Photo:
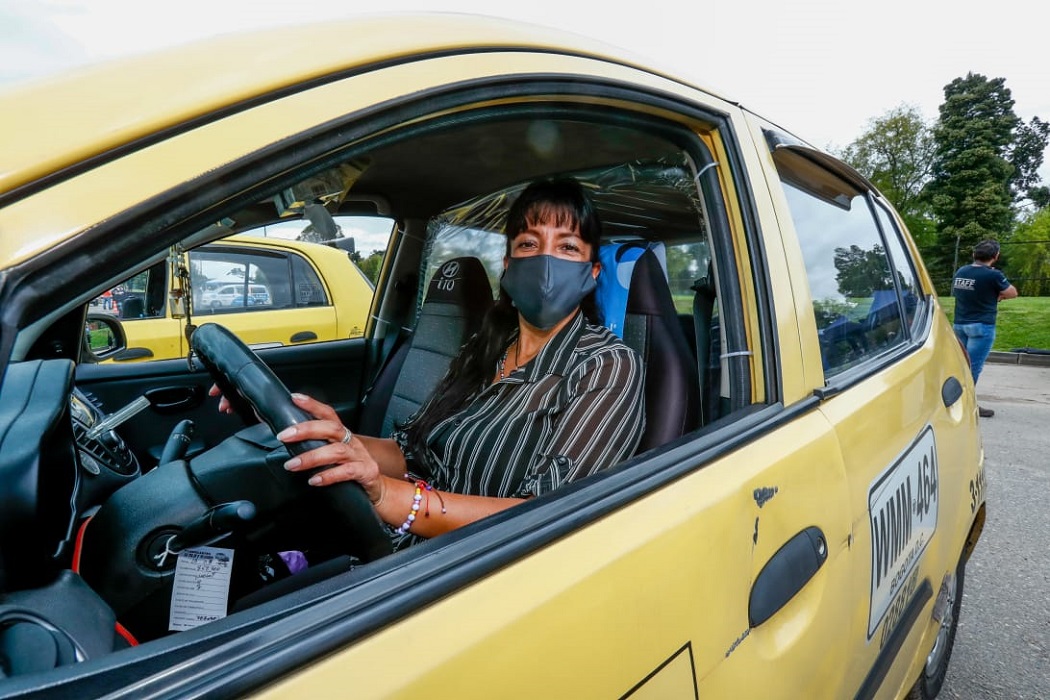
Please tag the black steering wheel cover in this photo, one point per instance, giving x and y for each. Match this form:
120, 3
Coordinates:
252, 388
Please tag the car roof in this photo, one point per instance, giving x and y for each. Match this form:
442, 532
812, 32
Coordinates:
112, 106
308, 247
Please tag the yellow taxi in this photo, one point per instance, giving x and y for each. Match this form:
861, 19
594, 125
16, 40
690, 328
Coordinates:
268, 291
795, 524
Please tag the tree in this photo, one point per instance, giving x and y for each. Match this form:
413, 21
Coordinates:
860, 272
372, 265
1040, 197
312, 234
1028, 256
1026, 154
682, 263
985, 162
896, 154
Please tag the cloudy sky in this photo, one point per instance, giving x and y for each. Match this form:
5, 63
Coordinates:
820, 68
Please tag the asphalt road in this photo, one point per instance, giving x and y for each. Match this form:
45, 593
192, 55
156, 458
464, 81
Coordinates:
1002, 650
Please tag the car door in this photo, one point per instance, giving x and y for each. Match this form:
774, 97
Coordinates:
652, 599
308, 302
893, 390
719, 566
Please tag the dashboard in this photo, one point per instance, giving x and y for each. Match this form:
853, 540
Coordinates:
56, 465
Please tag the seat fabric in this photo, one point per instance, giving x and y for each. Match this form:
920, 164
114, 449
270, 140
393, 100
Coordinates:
457, 300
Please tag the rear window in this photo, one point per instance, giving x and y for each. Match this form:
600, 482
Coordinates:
863, 285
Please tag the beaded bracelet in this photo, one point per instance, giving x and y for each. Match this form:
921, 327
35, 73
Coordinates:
417, 499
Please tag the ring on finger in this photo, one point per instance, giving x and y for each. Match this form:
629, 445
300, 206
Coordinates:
346, 435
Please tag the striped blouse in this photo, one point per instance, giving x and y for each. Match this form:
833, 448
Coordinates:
575, 409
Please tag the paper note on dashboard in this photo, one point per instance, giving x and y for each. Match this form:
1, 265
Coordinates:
201, 587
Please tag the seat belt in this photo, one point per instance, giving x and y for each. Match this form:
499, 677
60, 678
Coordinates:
703, 303
391, 339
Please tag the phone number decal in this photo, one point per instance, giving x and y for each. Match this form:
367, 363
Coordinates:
902, 510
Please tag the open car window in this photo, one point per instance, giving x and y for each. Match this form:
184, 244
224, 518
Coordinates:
323, 284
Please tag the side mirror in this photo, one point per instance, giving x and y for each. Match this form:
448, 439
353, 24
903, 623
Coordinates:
103, 335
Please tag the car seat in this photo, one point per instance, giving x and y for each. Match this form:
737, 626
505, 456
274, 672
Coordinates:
133, 307
457, 300
652, 328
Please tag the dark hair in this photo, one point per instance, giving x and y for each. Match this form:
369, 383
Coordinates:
560, 202
986, 250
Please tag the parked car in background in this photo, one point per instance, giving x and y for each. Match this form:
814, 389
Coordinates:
796, 523
318, 294
218, 294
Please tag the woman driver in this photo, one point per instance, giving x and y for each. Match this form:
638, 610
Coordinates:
539, 397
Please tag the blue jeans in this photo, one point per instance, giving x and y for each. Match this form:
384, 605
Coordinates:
977, 338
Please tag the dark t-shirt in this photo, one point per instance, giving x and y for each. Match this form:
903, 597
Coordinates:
976, 290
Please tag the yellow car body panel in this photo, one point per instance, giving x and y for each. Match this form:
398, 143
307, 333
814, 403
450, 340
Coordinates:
656, 598
901, 397
140, 104
90, 197
606, 625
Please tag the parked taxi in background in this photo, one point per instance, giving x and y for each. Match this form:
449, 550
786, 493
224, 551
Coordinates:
269, 291
796, 523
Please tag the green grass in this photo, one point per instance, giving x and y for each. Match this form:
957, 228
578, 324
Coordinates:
1023, 322
683, 302
99, 338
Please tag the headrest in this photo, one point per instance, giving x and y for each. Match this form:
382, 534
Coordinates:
132, 308
462, 282
650, 294
614, 283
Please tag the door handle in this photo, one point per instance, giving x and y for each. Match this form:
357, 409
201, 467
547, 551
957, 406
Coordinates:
175, 399
303, 336
951, 391
132, 354
786, 573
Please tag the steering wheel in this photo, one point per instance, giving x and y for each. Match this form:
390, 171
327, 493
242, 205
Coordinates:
253, 389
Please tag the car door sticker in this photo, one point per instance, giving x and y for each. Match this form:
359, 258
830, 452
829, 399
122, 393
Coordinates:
765, 494
902, 510
673, 678
977, 489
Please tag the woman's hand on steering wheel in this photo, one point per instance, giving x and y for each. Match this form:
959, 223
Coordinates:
248, 387
224, 403
225, 406
343, 457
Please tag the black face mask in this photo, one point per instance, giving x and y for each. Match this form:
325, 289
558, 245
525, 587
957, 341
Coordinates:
545, 289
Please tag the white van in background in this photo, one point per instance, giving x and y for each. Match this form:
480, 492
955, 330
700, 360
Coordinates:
233, 295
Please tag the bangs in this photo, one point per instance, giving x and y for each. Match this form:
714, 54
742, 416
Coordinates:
552, 214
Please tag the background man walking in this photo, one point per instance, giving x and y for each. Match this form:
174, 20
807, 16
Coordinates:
978, 289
